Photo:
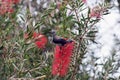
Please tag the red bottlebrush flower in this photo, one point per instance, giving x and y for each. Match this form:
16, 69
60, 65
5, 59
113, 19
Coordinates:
11, 10
62, 59
35, 34
96, 12
40, 40
6, 6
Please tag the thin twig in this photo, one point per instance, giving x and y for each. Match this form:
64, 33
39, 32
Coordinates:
77, 52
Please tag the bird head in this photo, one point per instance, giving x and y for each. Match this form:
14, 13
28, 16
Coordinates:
53, 32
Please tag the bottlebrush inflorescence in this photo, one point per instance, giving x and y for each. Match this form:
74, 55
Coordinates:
61, 60
6, 6
40, 40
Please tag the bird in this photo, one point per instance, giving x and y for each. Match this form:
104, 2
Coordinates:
59, 40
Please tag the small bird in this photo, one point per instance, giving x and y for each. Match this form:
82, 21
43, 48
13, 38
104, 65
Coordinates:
59, 40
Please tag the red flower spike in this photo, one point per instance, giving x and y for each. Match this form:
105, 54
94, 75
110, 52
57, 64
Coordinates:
35, 34
11, 10
61, 60
6, 6
40, 40
96, 12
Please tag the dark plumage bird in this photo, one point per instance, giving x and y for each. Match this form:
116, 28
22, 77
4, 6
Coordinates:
60, 41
